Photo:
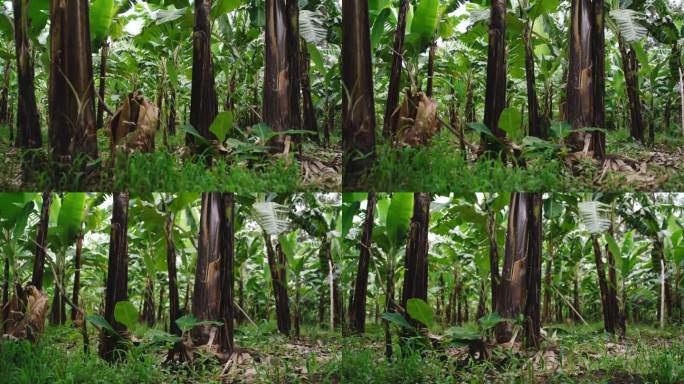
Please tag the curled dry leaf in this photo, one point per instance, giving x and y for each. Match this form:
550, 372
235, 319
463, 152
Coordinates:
416, 121
27, 314
134, 124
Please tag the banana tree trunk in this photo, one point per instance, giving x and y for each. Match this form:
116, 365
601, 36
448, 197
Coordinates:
77, 274
630, 68
395, 72
308, 107
174, 302
660, 267
495, 96
357, 317
103, 74
41, 242
28, 119
277, 88
493, 257
293, 62
203, 101
117, 276
576, 314
171, 122
358, 104
586, 76
513, 288
534, 262
619, 319
276, 264
213, 291
416, 260
608, 298
5, 295
71, 91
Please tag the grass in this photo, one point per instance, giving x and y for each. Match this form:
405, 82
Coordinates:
442, 168
572, 354
170, 169
569, 354
58, 357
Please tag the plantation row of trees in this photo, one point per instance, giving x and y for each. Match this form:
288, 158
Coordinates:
512, 262
142, 46
191, 265
543, 69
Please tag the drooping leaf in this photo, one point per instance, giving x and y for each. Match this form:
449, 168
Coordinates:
101, 14
125, 313
420, 311
100, 322
397, 319
222, 124
399, 218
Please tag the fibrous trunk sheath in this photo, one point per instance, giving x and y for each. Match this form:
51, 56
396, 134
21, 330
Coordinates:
495, 96
277, 91
358, 312
28, 120
213, 284
277, 267
71, 92
41, 241
203, 101
586, 83
358, 109
416, 261
395, 72
117, 275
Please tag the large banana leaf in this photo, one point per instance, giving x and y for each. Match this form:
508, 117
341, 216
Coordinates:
399, 218
101, 14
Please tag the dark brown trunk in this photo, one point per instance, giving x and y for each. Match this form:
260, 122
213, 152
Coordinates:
103, 73
117, 276
358, 109
618, 318
534, 122
608, 303
171, 122
41, 242
277, 266
514, 276
534, 257
203, 101
389, 307
58, 306
77, 274
174, 302
395, 73
71, 92
307, 102
213, 290
495, 97
293, 64
469, 108
416, 260
482, 301
277, 88
160, 307
227, 246
160, 103
586, 83
28, 120
630, 68
493, 257
357, 317
431, 68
